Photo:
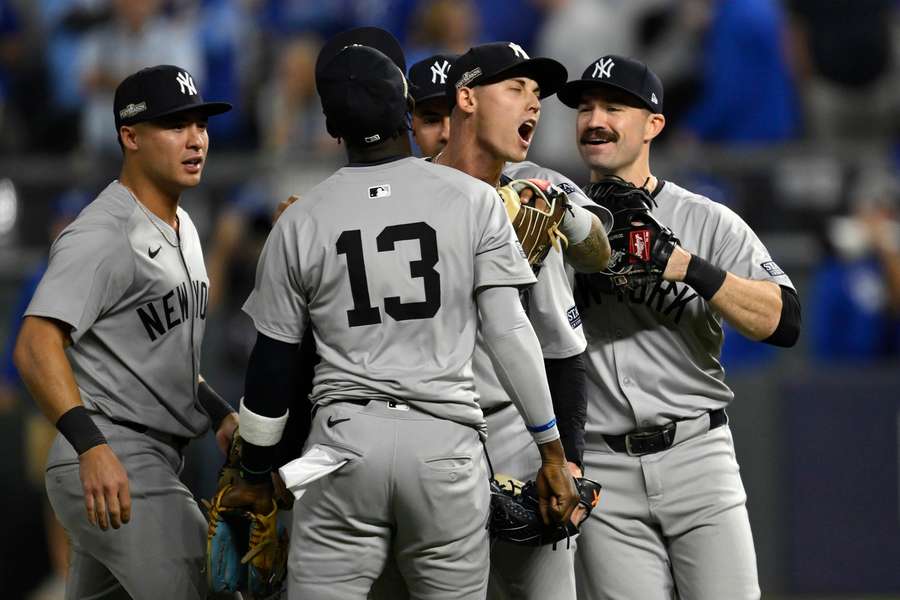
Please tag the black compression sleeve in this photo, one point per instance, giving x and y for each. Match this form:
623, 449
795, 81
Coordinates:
788, 330
566, 378
269, 387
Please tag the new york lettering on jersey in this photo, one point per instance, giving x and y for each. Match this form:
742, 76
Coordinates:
179, 304
135, 290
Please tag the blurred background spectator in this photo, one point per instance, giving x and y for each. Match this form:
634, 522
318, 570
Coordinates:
139, 33
747, 93
36, 437
854, 301
289, 113
844, 53
442, 26
785, 110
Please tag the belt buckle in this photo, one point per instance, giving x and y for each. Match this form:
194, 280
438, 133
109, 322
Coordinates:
393, 404
648, 442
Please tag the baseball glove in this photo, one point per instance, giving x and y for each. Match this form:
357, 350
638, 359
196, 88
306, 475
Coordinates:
641, 246
536, 222
516, 517
245, 551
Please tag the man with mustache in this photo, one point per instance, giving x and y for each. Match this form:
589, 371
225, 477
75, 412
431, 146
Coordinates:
674, 518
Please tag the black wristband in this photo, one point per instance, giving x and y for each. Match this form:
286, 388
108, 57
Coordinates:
214, 404
79, 428
256, 462
705, 277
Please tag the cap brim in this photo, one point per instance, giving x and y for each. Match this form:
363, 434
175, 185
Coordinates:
373, 37
431, 96
570, 94
549, 74
207, 108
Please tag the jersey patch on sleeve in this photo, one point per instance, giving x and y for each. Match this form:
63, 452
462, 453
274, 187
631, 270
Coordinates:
771, 268
574, 317
380, 191
566, 187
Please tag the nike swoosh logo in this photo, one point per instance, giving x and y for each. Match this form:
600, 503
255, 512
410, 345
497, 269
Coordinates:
332, 421
153, 253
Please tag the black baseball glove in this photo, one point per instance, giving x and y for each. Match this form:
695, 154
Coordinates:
641, 245
516, 516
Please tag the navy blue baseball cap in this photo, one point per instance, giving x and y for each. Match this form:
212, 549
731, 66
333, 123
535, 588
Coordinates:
428, 77
618, 72
157, 92
373, 37
364, 95
361, 83
489, 63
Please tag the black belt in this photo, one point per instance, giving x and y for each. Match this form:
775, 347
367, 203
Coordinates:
176, 441
648, 441
492, 410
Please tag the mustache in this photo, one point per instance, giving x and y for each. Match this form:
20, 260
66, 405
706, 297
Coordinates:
598, 134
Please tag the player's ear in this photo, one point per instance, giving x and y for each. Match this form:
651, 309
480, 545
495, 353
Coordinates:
128, 137
654, 124
466, 100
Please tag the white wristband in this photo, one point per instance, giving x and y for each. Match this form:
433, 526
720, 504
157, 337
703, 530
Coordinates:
260, 430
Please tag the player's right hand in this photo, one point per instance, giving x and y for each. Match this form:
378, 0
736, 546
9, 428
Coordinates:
556, 491
256, 497
107, 498
282, 206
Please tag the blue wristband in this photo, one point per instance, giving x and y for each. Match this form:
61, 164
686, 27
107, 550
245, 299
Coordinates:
539, 428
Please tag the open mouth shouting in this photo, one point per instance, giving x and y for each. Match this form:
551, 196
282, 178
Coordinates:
526, 131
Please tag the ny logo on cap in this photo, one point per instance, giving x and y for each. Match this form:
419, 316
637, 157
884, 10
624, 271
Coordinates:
186, 84
440, 70
518, 51
603, 68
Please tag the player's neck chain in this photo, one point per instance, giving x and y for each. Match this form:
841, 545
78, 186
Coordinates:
150, 216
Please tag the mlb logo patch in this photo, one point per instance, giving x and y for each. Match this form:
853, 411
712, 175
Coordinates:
574, 317
771, 268
380, 191
639, 245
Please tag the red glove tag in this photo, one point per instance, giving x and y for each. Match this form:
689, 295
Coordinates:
639, 245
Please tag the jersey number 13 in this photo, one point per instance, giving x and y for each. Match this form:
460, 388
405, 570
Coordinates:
363, 313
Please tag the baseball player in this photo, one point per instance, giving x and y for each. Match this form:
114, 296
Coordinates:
431, 114
674, 520
110, 351
493, 118
390, 261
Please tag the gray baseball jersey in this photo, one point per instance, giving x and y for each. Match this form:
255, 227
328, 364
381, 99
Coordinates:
542, 572
654, 355
549, 304
393, 243
134, 292
673, 522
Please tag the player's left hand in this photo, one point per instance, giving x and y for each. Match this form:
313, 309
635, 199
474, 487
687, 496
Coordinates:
226, 431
